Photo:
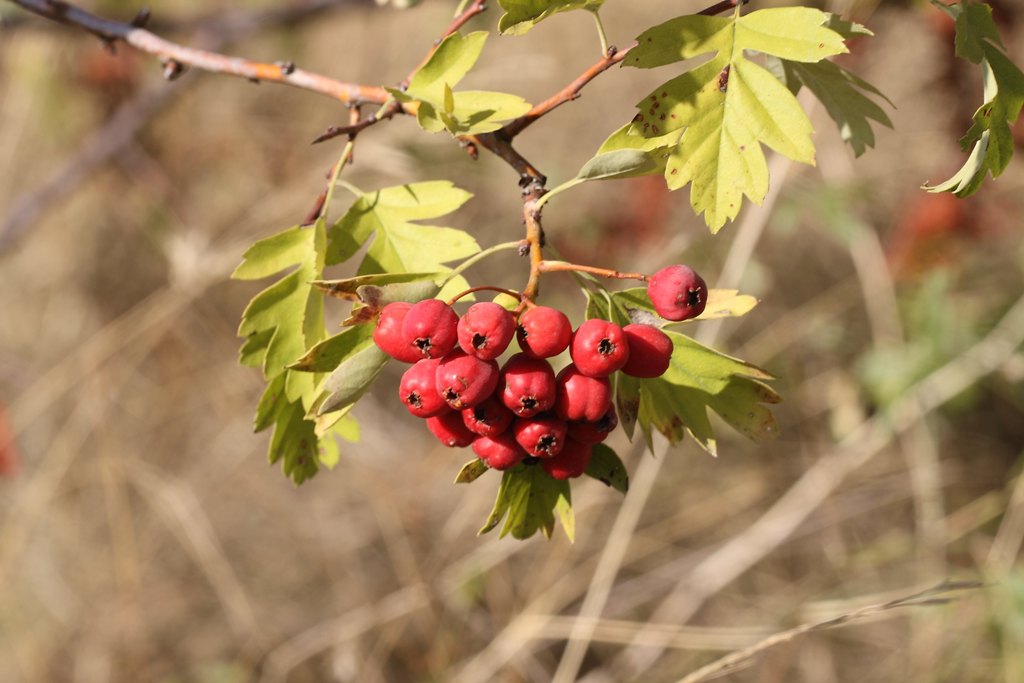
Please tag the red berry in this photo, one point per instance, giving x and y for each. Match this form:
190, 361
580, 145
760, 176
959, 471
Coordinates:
430, 327
486, 330
450, 431
594, 432
542, 437
581, 398
677, 293
418, 389
543, 332
599, 348
527, 385
489, 418
650, 351
499, 452
464, 381
571, 462
387, 335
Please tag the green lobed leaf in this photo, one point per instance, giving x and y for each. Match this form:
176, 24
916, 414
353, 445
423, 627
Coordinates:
287, 317
294, 444
527, 500
522, 15
471, 471
842, 93
274, 254
349, 288
449, 64
622, 163
441, 107
606, 466
729, 106
989, 137
698, 378
329, 353
633, 305
352, 378
399, 245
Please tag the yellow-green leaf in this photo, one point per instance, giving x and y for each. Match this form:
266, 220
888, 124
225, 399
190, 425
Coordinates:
522, 15
729, 106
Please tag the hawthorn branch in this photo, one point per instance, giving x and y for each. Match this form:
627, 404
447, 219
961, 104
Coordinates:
112, 32
567, 94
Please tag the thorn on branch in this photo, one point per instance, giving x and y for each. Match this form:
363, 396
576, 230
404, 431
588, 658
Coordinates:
173, 69
141, 18
471, 149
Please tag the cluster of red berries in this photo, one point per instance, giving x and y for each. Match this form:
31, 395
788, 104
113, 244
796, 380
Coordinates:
522, 409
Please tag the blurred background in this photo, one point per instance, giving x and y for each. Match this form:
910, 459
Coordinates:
143, 537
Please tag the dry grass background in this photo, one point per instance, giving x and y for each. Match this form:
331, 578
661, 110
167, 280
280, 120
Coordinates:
146, 539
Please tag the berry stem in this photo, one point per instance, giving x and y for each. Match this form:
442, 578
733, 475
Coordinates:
565, 266
486, 288
535, 238
601, 33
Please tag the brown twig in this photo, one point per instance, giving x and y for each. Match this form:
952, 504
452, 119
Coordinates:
567, 94
720, 7
110, 32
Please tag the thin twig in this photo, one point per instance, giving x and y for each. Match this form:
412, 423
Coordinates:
111, 32
567, 94
937, 595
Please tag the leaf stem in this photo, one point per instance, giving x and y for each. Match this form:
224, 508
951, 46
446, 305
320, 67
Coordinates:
600, 32
476, 258
343, 160
565, 266
567, 185
350, 187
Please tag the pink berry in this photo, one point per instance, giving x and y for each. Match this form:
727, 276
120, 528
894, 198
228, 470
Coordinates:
581, 398
430, 327
650, 351
677, 293
543, 332
449, 430
527, 385
489, 418
464, 381
594, 432
387, 335
571, 462
542, 437
418, 389
599, 348
486, 330
499, 452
